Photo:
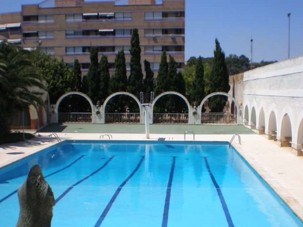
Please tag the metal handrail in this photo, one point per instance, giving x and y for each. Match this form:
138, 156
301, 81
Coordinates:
109, 136
189, 132
233, 137
56, 136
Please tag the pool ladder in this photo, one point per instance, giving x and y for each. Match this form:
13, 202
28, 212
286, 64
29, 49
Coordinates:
56, 136
109, 136
189, 132
233, 137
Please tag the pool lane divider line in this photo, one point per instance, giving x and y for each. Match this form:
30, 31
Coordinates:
57, 171
168, 193
83, 179
117, 192
219, 192
69, 165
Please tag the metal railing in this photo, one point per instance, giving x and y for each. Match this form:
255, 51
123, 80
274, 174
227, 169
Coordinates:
103, 136
170, 117
233, 137
122, 117
218, 118
55, 136
189, 132
75, 117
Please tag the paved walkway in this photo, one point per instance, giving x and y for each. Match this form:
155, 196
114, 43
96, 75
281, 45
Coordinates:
278, 166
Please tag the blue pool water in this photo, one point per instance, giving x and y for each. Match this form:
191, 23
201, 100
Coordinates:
115, 183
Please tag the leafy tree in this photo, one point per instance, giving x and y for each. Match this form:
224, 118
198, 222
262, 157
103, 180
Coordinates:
118, 82
188, 75
162, 80
20, 84
58, 76
237, 64
93, 76
219, 79
191, 61
104, 78
77, 74
135, 80
197, 92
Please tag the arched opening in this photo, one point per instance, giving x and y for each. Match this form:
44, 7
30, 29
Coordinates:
74, 107
246, 115
172, 107
227, 116
286, 134
21, 119
272, 126
261, 122
300, 137
253, 119
122, 107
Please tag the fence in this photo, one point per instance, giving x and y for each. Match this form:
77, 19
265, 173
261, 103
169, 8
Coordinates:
218, 118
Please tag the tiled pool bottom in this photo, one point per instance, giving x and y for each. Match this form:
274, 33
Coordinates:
151, 184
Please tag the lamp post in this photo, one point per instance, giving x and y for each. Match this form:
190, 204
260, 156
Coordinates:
288, 15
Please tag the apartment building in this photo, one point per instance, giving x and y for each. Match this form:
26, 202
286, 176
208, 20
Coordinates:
68, 29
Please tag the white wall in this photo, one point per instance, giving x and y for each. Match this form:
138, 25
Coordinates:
276, 88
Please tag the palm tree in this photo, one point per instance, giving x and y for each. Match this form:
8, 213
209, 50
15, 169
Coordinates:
20, 84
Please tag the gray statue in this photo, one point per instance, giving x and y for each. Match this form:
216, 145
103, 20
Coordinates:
36, 200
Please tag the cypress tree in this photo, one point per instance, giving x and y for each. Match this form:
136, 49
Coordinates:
104, 78
135, 80
118, 82
219, 80
198, 93
93, 76
172, 74
162, 80
149, 79
77, 73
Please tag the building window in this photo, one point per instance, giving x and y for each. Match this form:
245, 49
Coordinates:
153, 16
31, 34
173, 14
90, 16
107, 32
73, 50
71, 33
106, 16
152, 32
123, 16
106, 49
46, 35
46, 19
124, 48
153, 49
73, 17
30, 18
173, 31
123, 32
155, 66
48, 50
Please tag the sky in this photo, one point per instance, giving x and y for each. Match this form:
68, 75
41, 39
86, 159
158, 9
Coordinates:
258, 29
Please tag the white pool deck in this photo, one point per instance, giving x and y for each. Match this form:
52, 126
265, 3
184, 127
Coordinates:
277, 165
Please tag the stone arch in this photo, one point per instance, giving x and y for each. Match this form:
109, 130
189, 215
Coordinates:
253, 118
261, 123
286, 133
246, 115
170, 93
223, 94
72, 93
300, 136
272, 125
121, 93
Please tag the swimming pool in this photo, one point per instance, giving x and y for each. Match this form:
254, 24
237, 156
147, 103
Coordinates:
118, 183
